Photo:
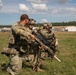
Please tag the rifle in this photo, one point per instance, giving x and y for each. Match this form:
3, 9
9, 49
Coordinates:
42, 38
46, 47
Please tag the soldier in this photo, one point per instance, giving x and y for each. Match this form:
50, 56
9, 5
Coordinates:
49, 36
35, 47
18, 43
52, 38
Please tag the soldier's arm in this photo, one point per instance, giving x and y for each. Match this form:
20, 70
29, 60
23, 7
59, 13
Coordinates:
22, 31
56, 39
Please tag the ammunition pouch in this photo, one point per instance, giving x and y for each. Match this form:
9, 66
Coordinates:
11, 39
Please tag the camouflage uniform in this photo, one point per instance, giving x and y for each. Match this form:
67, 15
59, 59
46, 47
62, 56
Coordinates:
35, 47
18, 43
49, 35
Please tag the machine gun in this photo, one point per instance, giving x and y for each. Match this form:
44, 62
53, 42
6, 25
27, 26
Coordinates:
47, 48
43, 39
40, 38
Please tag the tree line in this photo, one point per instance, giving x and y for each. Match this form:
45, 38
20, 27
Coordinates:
70, 23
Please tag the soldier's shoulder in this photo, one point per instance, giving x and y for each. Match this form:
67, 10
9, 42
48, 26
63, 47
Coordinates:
29, 30
14, 25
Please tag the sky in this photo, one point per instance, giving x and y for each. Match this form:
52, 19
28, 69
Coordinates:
40, 10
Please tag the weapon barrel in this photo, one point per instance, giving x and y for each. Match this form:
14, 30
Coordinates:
47, 48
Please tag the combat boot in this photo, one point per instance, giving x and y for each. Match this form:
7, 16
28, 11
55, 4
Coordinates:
2, 67
39, 70
10, 71
36, 68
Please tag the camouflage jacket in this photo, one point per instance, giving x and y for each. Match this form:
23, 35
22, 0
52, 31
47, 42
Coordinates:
50, 36
19, 30
19, 37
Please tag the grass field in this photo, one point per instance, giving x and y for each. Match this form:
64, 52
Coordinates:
67, 55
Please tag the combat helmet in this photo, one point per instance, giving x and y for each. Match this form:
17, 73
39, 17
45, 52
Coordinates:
49, 25
32, 21
45, 24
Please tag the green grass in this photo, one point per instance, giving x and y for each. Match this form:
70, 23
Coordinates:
67, 55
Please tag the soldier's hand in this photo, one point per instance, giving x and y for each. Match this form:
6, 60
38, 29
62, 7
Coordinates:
41, 47
32, 36
56, 43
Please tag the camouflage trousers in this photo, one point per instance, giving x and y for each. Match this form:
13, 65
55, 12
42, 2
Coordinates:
16, 60
15, 65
